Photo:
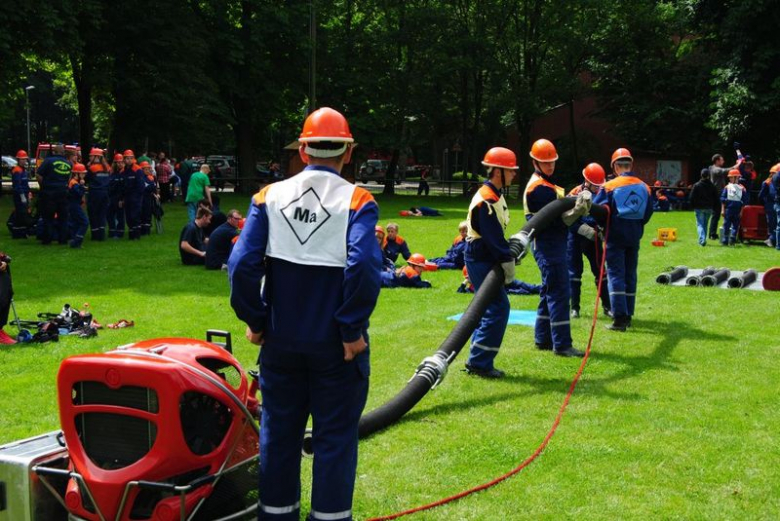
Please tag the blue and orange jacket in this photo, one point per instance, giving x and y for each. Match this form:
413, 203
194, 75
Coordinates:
732, 200
150, 184
134, 178
76, 192
116, 185
550, 243
98, 178
628, 199
405, 277
306, 308
492, 246
55, 174
776, 186
392, 249
20, 181
767, 194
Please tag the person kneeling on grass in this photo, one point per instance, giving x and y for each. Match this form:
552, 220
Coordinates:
387, 264
192, 243
516, 287
395, 245
407, 277
453, 259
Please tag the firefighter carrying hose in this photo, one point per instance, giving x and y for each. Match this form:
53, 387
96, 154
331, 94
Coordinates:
553, 327
487, 219
312, 237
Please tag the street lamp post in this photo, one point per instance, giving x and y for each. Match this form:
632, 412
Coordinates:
27, 90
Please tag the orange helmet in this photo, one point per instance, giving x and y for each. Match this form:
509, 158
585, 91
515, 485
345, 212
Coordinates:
416, 259
379, 229
594, 174
500, 157
79, 168
118, 157
326, 124
544, 151
145, 164
129, 153
96, 152
21, 155
734, 173
620, 153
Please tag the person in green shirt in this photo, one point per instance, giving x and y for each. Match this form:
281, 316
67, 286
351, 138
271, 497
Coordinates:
198, 189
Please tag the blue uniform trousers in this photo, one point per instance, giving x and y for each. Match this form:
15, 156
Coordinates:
133, 217
777, 231
552, 316
146, 214
771, 222
577, 247
487, 338
116, 218
21, 219
77, 223
97, 208
294, 385
621, 272
731, 221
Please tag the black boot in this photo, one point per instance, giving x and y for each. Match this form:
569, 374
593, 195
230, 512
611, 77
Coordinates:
619, 323
569, 352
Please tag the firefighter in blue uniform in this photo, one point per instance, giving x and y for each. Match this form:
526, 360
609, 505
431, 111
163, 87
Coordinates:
584, 240
628, 200
733, 197
98, 178
149, 193
312, 237
394, 244
134, 189
53, 176
116, 197
553, 328
767, 197
77, 219
387, 264
486, 246
20, 183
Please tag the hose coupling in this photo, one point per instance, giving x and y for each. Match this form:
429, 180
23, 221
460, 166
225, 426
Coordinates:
433, 368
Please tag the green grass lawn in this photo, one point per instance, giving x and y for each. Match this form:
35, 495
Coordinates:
677, 418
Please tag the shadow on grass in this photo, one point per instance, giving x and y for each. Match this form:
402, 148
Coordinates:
669, 334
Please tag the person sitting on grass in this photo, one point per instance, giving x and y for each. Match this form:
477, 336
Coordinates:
516, 287
192, 242
453, 259
387, 264
220, 242
395, 245
408, 276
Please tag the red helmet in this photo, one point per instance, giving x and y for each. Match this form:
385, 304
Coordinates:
145, 164
594, 174
544, 151
734, 173
21, 155
118, 157
500, 157
96, 152
326, 124
129, 153
620, 153
79, 168
416, 259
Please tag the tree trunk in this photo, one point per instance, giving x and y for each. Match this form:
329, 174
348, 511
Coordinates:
573, 132
82, 78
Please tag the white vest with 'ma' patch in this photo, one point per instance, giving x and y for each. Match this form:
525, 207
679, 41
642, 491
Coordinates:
307, 219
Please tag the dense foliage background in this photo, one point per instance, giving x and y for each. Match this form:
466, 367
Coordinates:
414, 77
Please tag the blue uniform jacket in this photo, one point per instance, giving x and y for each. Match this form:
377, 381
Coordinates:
550, 243
733, 207
776, 186
55, 174
134, 181
97, 178
306, 308
397, 247
116, 186
492, 246
76, 192
768, 193
628, 198
20, 182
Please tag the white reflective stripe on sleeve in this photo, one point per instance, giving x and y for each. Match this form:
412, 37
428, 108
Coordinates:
484, 348
280, 510
555, 324
327, 516
631, 294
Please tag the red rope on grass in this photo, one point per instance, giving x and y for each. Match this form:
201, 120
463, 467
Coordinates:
554, 426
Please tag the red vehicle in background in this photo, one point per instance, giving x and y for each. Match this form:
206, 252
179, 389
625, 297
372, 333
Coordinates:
44, 151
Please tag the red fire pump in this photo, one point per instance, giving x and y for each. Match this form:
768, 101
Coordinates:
159, 430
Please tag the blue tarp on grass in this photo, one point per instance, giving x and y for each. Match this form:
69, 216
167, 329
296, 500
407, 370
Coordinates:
517, 317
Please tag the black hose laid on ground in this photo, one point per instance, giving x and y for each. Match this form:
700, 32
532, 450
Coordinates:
432, 369
695, 280
672, 276
746, 279
716, 278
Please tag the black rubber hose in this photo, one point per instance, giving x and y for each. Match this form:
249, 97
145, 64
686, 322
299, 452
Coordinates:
432, 369
672, 276
695, 280
716, 278
746, 279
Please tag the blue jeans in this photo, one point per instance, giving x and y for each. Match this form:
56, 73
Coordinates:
702, 220
192, 209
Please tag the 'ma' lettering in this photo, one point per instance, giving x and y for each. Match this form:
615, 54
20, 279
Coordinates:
303, 215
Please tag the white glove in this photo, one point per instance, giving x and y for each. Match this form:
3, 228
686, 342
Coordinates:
581, 207
23, 198
509, 271
587, 232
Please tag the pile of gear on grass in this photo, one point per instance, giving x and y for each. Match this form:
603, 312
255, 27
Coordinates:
70, 321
